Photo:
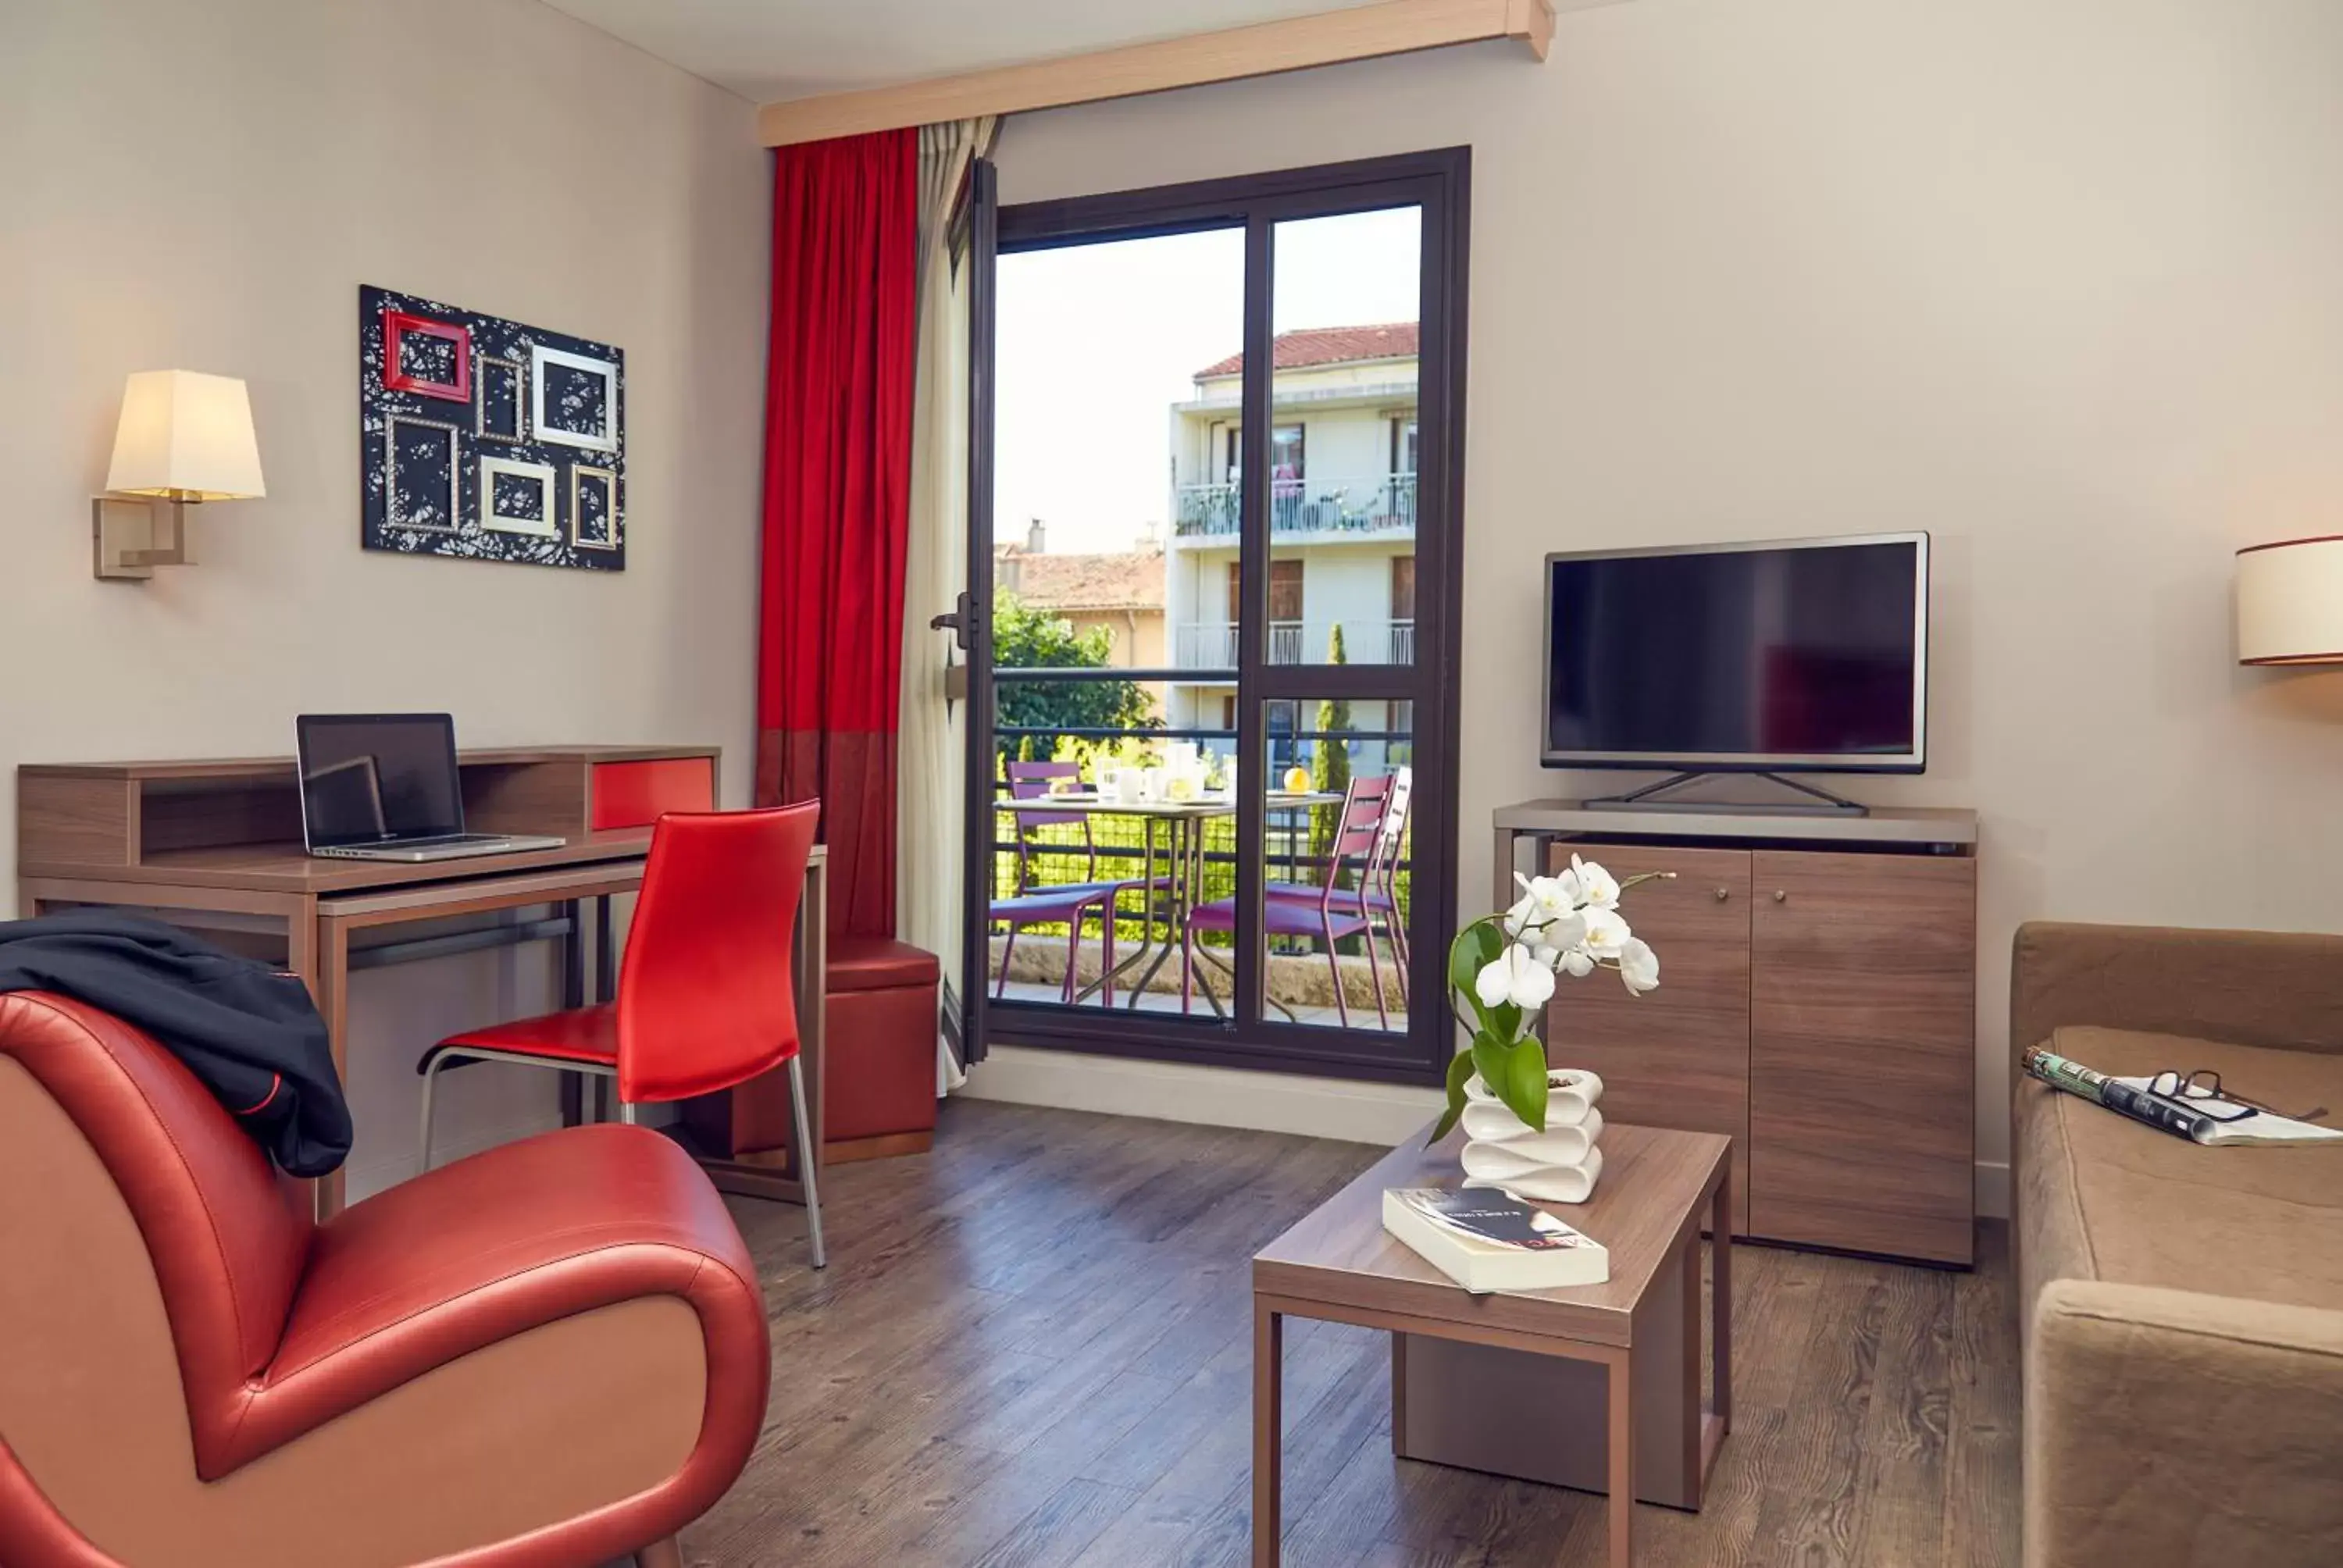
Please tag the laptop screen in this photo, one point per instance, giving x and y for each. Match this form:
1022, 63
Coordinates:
368, 779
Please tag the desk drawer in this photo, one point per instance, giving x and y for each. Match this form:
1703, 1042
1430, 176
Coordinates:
634, 794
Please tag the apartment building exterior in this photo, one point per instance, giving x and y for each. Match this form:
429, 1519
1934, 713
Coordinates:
1342, 465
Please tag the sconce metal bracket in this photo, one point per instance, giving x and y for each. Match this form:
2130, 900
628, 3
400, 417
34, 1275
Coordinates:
130, 536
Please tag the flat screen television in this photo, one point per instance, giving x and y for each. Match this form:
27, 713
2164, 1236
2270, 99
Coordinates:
1809, 654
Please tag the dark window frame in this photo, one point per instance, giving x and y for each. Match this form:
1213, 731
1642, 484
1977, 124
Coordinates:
1438, 183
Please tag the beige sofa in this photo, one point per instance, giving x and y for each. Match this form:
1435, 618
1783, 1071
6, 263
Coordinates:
2181, 1308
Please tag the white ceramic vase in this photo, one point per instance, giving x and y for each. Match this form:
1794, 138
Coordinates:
1559, 1165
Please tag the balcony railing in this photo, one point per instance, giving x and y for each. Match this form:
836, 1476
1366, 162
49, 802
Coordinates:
1212, 645
1381, 504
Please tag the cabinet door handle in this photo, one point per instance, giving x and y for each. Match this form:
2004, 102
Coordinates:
1780, 896
1723, 894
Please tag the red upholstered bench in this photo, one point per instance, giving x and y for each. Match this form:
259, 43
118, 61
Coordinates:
879, 1072
878, 1093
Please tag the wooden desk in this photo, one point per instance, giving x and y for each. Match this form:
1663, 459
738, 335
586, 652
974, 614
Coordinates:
215, 846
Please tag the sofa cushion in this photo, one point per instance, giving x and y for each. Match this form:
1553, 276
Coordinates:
2106, 1198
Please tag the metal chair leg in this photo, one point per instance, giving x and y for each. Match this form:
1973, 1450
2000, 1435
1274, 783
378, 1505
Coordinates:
807, 1155
430, 1078
1334, 968
630, 1112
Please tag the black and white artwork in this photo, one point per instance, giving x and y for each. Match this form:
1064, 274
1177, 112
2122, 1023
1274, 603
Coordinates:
517, 453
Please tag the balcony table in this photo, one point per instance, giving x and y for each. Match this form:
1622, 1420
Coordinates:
1185, 870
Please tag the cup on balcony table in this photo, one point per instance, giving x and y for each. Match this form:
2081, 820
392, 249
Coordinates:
1126, 783
1151, 784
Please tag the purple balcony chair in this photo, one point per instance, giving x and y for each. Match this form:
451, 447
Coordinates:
1377, 895
1068, 905
1031, 781
1334, 912
1054, 903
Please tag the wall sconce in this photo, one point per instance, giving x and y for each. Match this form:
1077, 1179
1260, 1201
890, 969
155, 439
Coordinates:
2290, 602
183, 437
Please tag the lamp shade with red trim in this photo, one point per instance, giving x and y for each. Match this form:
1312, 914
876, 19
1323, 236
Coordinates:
2290, 602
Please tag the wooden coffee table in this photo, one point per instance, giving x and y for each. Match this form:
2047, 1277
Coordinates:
1596, 1387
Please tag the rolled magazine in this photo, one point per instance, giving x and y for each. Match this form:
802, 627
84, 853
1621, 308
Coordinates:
2197, 1117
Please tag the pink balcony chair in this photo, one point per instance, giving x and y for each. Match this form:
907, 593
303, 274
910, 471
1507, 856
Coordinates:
1333, 913
1068, 905
1377, 895
1031, 781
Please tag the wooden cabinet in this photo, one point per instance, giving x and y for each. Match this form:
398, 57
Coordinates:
1862, 1053
1819, 1007
1678, 1056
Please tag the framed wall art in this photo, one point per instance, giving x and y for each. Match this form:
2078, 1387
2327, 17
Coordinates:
593, 508
517, 497
573, 400
486, 439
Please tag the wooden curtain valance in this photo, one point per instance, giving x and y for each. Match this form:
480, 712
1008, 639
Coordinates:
1298, 42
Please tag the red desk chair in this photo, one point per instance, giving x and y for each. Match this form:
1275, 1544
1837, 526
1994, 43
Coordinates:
705, 1000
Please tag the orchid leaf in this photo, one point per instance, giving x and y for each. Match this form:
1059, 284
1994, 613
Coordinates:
1475, 949
1491, 1058
1460, 1069
1523, 1088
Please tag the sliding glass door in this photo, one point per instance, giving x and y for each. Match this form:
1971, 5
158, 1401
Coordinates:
1215, 535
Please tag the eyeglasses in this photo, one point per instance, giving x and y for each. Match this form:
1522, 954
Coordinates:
2192, 1089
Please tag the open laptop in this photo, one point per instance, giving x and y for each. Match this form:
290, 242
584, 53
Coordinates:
384, 787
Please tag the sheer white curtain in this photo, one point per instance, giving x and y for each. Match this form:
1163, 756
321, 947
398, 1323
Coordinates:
931, 760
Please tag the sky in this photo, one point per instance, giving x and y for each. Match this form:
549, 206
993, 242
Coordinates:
1093, 344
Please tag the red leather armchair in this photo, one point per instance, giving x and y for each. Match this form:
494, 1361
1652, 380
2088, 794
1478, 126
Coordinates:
546, 1356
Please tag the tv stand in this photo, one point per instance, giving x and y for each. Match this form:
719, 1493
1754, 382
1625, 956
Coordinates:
1818, 1004
1824, 803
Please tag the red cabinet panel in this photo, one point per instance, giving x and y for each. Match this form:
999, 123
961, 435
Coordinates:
634, 794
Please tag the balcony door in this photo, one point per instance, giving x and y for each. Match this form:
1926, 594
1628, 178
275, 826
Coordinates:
1229, 414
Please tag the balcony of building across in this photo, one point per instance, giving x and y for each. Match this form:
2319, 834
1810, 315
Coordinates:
1212, 645
1303, 511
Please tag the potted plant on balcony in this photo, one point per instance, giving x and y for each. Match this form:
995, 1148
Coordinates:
1530, 1129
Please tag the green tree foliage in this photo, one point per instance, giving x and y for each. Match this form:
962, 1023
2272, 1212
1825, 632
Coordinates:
1330, 761
1024, 638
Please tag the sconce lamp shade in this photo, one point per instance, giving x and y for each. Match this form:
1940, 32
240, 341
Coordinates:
2290, 602
187, 436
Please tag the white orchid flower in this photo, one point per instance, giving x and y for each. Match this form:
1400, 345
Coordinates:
1577, 962
1591, 884
1606, 933
1514, 976
1558, 937
1639, 966
1544, 899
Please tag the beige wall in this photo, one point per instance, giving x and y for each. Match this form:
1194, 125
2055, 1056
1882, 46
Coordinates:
206, 186
2059, 280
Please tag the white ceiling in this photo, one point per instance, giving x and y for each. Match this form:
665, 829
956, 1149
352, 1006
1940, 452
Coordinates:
770, 49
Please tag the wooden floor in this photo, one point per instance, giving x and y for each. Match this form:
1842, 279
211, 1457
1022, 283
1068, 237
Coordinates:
1031, 1347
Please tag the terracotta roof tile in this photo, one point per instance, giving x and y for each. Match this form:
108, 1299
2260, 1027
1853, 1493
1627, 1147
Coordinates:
1126, 579
1328, 346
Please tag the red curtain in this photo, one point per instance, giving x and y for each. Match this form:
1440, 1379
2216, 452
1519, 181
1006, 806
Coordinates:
837, 470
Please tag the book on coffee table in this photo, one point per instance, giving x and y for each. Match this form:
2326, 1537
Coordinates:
1487, 1242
